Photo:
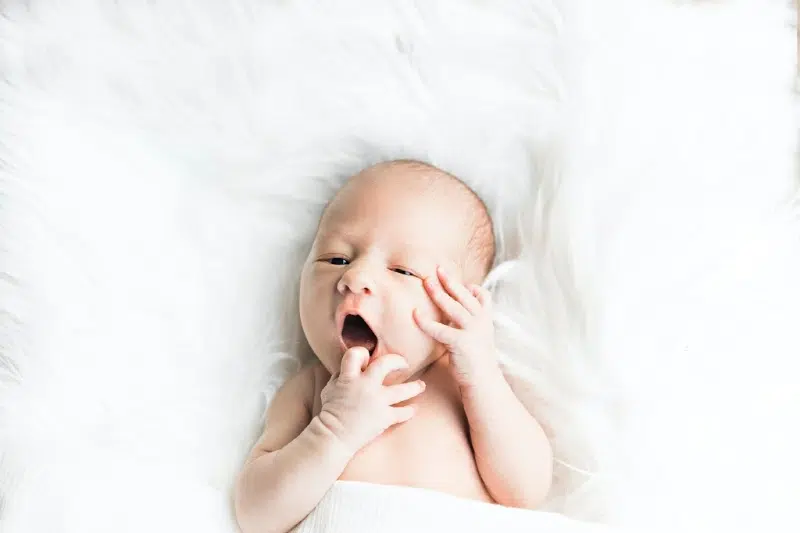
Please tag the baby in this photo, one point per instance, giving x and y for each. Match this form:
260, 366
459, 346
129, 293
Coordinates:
407, 389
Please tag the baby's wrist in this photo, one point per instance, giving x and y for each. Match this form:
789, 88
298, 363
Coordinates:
328, 440
472, 385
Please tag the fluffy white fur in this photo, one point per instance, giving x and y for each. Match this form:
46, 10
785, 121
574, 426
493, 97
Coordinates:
164, 164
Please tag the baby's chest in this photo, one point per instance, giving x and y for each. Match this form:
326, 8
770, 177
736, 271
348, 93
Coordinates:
432, 450
434, 432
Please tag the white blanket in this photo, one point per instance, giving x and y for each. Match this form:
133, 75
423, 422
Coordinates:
354, 507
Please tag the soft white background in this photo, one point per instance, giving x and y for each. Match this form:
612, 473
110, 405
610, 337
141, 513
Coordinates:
163, 164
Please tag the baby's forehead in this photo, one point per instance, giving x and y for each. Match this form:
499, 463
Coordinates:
415, 193
406, 229
421, 202
414, 228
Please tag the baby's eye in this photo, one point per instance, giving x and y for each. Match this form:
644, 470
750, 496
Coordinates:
338, 261
403, 271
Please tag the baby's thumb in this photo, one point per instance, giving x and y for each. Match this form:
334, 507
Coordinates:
354, 361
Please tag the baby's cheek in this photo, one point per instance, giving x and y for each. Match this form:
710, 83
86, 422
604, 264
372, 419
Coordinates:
428, 309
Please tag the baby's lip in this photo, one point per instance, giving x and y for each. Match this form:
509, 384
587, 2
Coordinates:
372, 355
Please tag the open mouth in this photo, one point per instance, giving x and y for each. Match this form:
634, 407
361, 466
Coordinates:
356, 332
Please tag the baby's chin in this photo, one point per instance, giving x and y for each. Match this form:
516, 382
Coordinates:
396, 377
417, 363
417, 367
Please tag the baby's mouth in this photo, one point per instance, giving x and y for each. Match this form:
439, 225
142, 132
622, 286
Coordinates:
356, 332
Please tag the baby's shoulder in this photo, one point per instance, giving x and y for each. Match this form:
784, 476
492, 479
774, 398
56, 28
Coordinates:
299, 388
306, 385
288, 413
318, 377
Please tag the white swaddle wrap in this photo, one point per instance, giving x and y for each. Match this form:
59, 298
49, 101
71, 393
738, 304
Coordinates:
353, 507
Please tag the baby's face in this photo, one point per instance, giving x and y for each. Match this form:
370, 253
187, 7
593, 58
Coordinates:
377, 240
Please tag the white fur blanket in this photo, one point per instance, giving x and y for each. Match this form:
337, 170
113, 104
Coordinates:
162, 165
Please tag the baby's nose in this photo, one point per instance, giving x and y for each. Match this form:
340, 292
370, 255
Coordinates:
357, 281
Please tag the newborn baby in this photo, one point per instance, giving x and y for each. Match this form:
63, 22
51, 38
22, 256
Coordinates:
407, 389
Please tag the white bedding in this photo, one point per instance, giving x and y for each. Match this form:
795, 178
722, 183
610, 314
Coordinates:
355, 507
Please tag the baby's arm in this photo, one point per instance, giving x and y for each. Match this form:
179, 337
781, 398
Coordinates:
298, 457
512, 452
292, 465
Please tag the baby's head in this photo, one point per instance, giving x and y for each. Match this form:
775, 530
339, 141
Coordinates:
384, 231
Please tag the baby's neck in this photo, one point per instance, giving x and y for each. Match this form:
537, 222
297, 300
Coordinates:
435, 367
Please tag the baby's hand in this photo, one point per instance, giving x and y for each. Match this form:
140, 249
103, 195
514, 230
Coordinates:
357, 406
469, 336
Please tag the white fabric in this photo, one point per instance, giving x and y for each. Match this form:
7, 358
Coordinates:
354, 507
686, 170
163, 165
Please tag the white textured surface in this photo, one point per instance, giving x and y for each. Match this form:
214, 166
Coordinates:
163, 164
355, 507
687, 168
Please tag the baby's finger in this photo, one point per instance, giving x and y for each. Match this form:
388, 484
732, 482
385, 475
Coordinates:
354, 361
402, 414
381, 367
439, 332
404, 391
482, 296
454, 310
459, 293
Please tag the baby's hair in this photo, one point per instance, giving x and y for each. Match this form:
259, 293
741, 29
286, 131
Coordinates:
480, 245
